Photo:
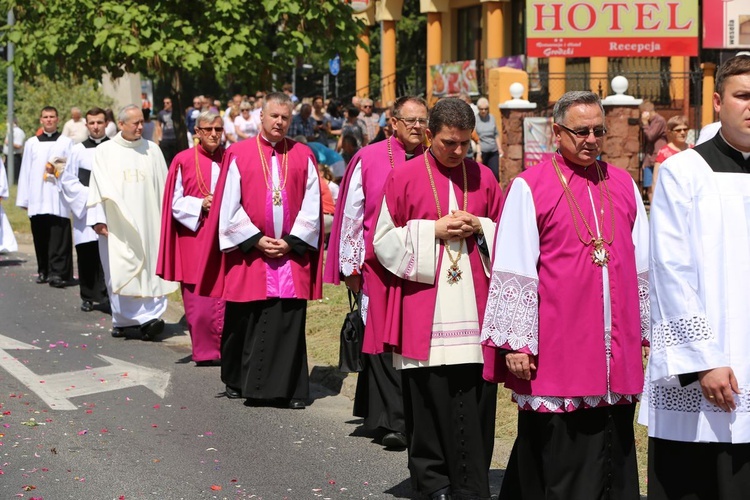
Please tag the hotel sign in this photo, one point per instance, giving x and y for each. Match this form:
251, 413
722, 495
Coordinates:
574, 28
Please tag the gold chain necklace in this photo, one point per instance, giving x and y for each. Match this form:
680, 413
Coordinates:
205, 191
390, 153
599, 255
267, 172
454, 272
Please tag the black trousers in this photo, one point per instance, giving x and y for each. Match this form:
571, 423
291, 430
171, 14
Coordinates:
492, 160
263, 349
90, 272
379, 399
450, 429
169, 149
53, 245
586, 454
698, 471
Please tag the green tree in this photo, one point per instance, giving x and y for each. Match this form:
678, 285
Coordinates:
62, 94
171, 39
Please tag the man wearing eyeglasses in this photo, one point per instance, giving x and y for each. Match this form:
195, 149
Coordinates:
372, 120
697, 408
567, 318
350, 254
189, 190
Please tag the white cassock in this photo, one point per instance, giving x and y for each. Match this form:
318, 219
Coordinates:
7, 238
700, 282
125, 192
37, 195
75, 194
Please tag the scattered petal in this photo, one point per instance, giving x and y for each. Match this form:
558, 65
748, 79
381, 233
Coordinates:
216, 487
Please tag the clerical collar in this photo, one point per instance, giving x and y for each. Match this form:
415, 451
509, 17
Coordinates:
573, 165
745, 155
92, 143
273, 144
47, 137
409, 156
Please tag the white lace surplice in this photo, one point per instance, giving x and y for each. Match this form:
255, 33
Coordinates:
512, 317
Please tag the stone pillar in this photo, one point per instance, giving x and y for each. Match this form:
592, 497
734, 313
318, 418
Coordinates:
495, 31
557, 78
622, 142
511, 164
707, 106
598, 72
363, 64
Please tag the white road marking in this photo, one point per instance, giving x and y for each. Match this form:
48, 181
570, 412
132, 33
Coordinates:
55, 389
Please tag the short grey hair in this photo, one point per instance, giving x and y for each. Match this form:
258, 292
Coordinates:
279, 98
122, 115
573, 98
482, 102
365, 101
207, 117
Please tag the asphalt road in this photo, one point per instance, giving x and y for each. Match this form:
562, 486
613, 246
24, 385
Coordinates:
144, 422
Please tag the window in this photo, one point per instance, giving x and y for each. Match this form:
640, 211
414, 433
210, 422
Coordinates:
469, 34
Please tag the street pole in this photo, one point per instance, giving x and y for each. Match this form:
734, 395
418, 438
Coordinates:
337, 86
11, 149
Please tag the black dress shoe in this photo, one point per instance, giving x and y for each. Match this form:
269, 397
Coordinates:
297, 404
441, 496
394, 440
87, 306
209, 362
232, 393
42, 278
118, 332
152, 329
56, 282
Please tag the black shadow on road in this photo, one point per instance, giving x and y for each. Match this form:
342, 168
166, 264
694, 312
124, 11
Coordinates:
11, 262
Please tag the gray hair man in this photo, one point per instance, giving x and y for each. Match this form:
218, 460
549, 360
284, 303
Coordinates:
125, 203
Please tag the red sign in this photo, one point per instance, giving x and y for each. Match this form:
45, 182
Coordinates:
574, 28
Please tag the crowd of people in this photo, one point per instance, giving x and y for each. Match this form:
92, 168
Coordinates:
557, 288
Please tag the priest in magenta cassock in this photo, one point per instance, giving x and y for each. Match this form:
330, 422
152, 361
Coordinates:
568, 315
434, 234
697, 397
270, 228
186, 237
378, 398
124, 207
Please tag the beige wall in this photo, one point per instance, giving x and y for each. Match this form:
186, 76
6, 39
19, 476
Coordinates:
125, 90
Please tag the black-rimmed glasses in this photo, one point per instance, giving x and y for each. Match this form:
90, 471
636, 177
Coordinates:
410, 122
583, 133
212, 129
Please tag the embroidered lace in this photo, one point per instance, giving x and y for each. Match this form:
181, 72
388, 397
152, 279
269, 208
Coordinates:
512, 317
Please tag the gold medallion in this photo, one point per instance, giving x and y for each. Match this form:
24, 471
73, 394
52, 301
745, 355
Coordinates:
454, 274
600, 255
277, 197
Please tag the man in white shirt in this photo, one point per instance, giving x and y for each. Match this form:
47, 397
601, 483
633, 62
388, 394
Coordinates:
75, 128
19, 137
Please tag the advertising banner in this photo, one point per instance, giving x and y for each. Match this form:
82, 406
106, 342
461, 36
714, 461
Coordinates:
726, 24
538, 140
516, 62
454, 77
593, 28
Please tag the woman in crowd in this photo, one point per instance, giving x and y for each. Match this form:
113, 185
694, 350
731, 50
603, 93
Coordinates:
490, 147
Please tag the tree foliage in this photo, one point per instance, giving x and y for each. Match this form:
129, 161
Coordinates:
32, 96
169, 39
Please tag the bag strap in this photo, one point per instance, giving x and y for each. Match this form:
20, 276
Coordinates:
355, 299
